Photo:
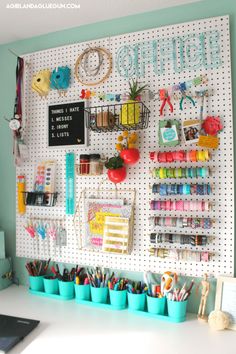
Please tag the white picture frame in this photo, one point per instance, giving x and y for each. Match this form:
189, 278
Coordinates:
226, 298
191, 131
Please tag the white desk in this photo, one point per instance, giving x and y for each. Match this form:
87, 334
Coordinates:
67, 327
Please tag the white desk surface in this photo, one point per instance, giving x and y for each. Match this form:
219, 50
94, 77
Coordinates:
66, 327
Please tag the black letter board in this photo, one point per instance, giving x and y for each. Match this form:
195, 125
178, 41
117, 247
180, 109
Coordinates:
67, 124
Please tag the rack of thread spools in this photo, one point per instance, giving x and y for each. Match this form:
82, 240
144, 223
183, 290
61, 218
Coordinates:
180, 206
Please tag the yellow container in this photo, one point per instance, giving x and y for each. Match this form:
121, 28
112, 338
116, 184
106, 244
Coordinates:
21, 189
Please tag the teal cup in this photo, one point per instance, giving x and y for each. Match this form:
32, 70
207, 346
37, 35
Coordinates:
177, 310
99, 295
66, 288
82, 292
118, 298
136, 302
156, 305
36, 283
50, 285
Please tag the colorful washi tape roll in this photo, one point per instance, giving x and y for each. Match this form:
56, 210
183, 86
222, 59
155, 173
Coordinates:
180, 156
193, 223
181, 172
181, 189
180, 205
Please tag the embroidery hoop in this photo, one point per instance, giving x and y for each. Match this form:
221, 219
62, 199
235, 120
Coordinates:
100, 51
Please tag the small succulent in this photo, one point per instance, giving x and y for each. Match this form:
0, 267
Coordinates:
114, 162
135, 90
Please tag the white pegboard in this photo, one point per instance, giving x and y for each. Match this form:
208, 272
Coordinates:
138, 176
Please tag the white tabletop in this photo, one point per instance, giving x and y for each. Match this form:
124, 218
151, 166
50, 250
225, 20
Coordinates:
66, 327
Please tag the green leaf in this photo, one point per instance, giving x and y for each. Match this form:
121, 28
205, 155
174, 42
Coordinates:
114, 162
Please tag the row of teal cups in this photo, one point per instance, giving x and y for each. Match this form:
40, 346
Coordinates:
118, 299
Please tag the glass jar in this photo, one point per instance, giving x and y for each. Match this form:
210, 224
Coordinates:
84, 164
95, 164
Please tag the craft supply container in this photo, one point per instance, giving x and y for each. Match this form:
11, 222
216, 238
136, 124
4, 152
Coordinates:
36, 283
66, 288
118, 298
82, 292
136, 302
156, 305
50, 285
177, 310
99, 295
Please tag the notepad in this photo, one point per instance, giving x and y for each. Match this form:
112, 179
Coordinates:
117, 234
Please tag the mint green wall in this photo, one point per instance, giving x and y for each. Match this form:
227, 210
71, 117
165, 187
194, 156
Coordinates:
198, 10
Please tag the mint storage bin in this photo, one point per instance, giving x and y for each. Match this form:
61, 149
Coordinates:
99, 295
118, 298
51, 285
36, 283
156, 305
82, 292
136, 302
66, 289
177, 310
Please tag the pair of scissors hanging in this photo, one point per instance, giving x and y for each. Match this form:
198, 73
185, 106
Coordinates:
165, 98
183, 88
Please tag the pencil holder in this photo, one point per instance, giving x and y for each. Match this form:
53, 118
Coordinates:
99, 295
66, 288
36, 283
82, 292
156, 305
136, 302
177, 310
118, 298
50, 285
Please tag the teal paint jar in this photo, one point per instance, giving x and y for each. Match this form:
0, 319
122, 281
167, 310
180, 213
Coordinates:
136, 302
156, 305
99, 295
118, 298
177, 310
51, 285
66, 289
36, 283
82, 292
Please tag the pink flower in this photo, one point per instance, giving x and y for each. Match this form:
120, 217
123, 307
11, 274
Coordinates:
212, 125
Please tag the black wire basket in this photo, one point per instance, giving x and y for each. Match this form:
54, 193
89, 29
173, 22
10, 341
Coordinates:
118, 117
40, 199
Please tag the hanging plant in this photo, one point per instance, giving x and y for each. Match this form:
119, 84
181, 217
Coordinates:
116, 169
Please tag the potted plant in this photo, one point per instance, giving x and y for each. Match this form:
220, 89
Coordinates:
126, 146
130, 111
116, 169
